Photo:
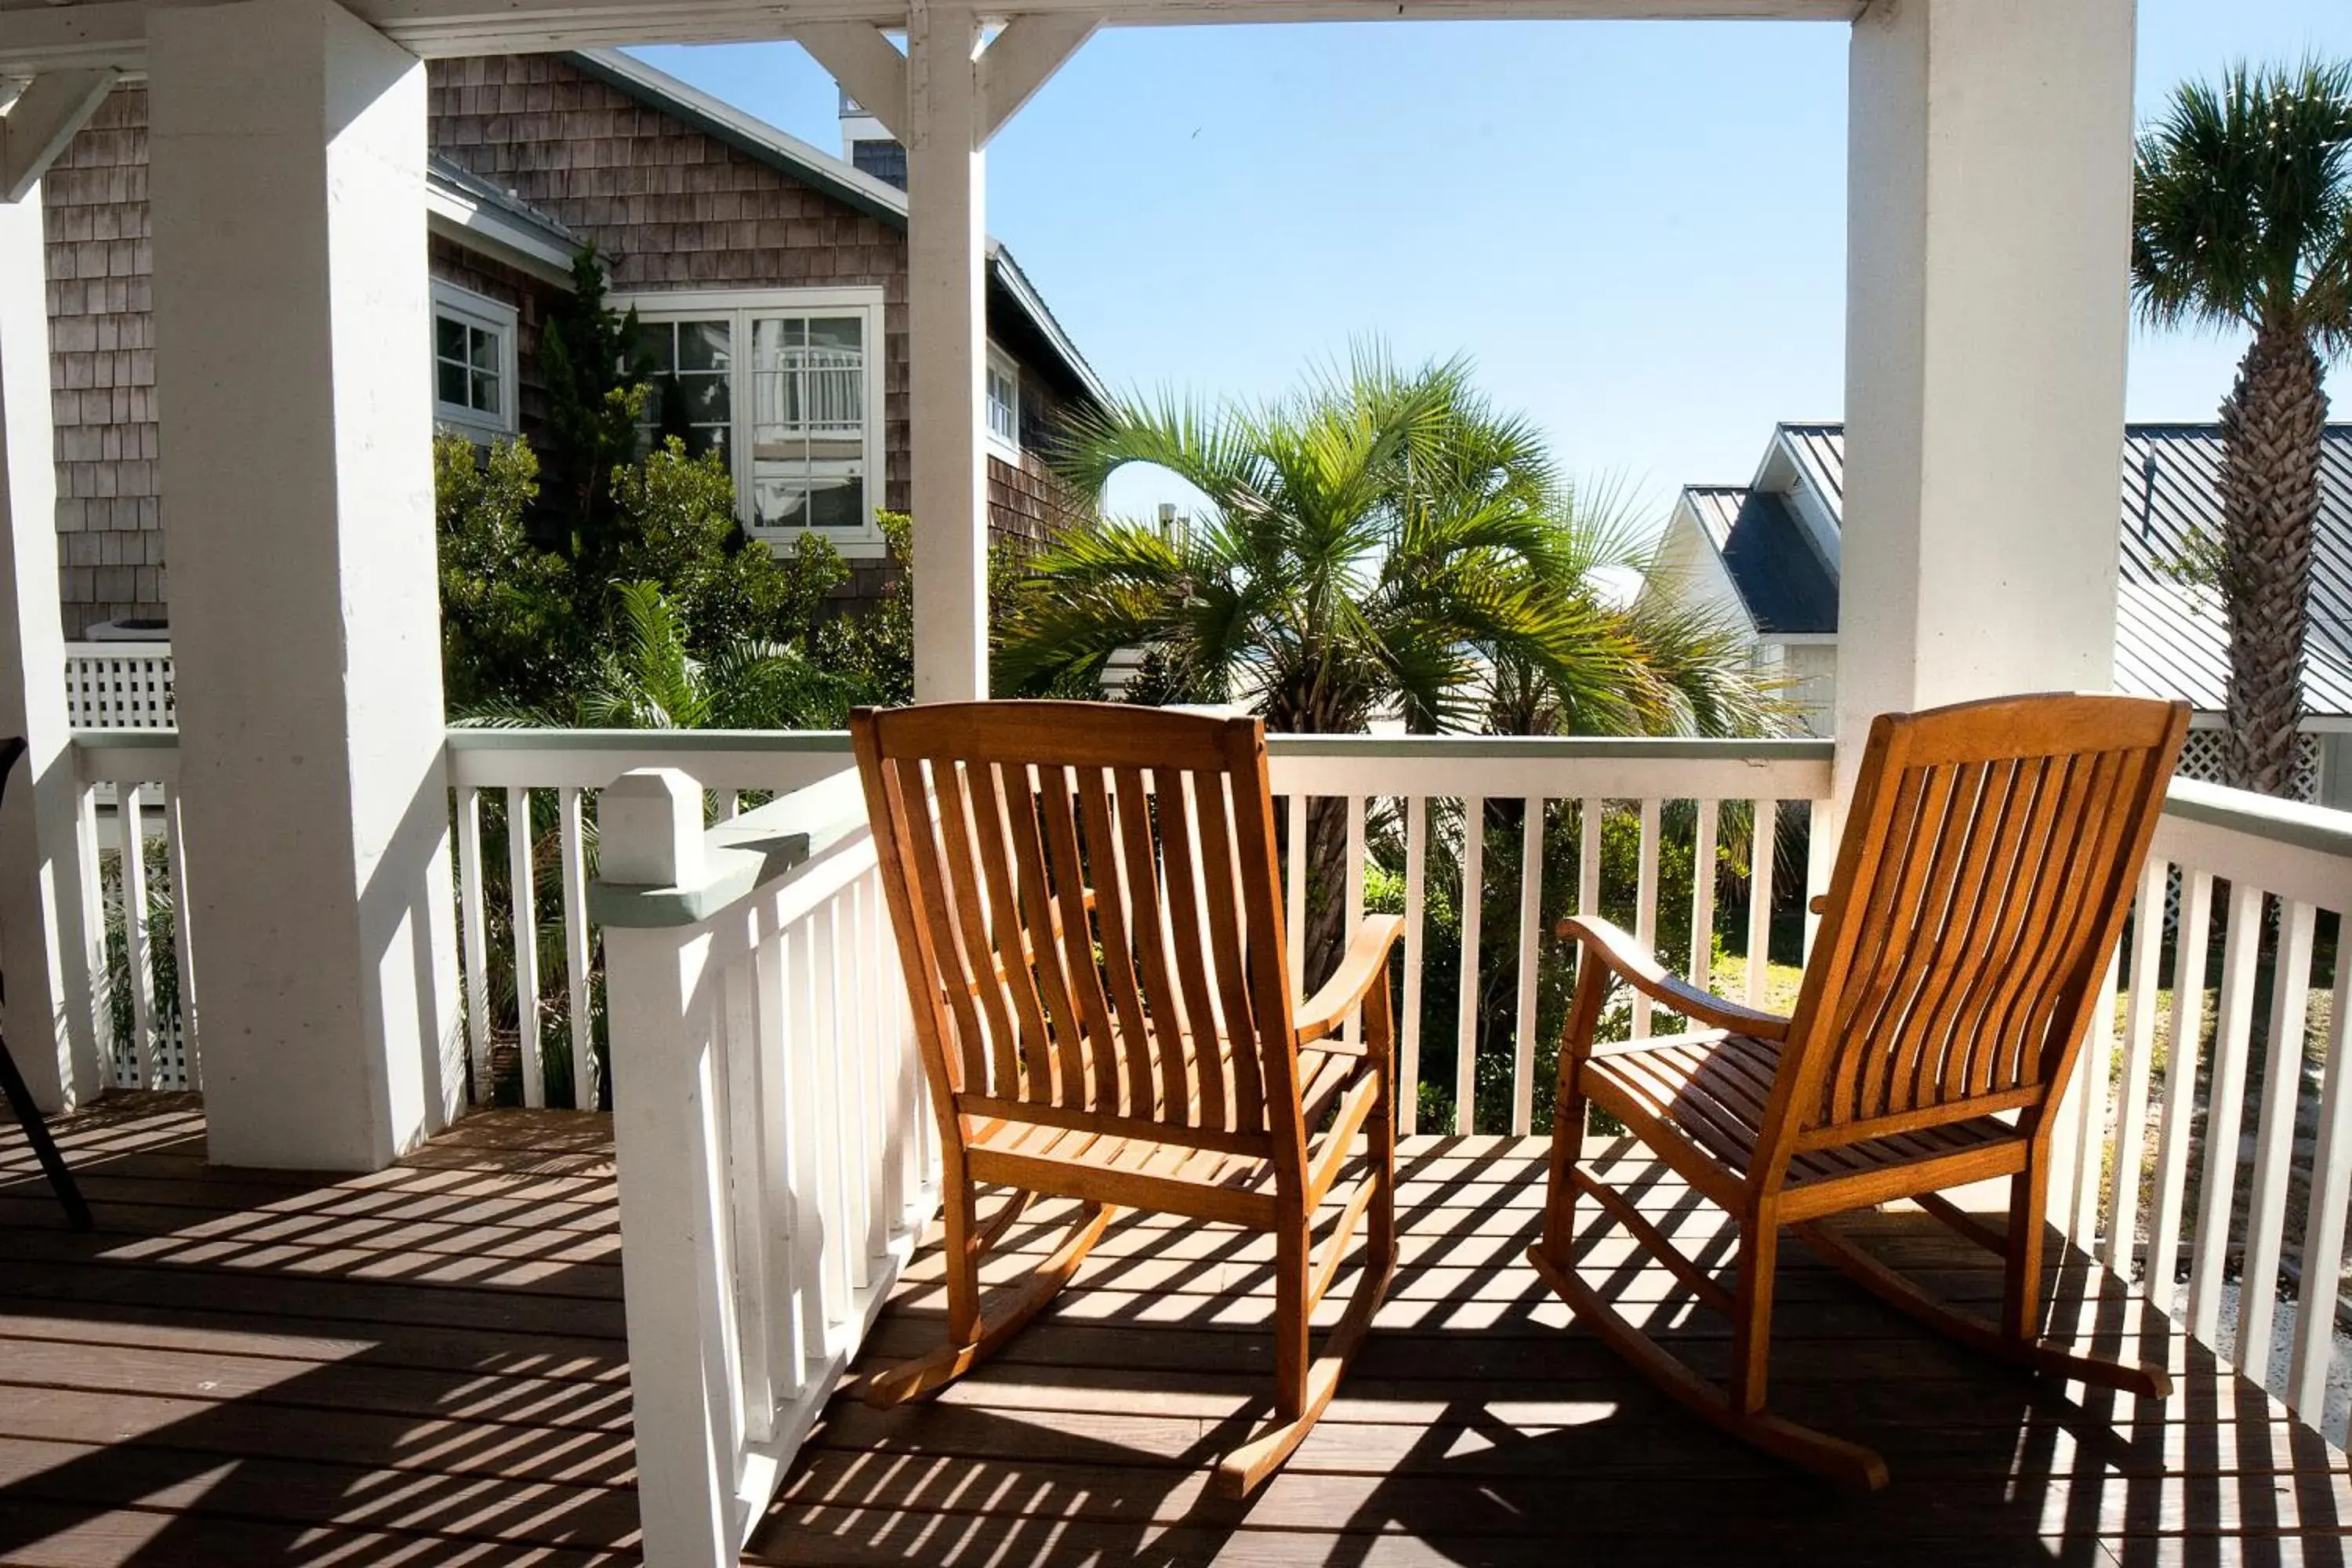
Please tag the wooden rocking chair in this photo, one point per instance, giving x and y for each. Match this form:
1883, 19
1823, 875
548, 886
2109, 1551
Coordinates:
1988, 856
1084, 896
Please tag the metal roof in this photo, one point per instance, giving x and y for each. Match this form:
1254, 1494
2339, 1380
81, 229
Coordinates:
1782, 579
2171, 640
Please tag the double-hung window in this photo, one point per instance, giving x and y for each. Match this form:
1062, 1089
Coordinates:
1003, 405
473, 362
788, 386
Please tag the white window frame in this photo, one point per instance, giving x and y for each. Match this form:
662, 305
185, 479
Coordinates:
741, 305
1005, 447
484, 314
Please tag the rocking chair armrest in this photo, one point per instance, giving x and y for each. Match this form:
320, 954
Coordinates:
1365, 963
1629, 959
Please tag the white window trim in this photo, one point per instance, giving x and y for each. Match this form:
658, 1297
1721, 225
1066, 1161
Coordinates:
1003, 363
858, 544
490, 315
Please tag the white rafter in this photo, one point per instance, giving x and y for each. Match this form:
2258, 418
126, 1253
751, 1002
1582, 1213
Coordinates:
862, 60
40, 123
1018, 61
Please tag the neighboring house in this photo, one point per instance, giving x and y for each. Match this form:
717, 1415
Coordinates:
1766, 553
771, 277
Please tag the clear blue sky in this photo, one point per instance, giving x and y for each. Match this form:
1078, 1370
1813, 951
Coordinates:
1636, 230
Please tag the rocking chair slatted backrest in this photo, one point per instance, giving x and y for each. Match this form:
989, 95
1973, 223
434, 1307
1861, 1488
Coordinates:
1979, 894
1097, 925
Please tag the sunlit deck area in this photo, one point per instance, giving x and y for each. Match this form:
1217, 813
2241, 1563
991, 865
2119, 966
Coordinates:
428, 1366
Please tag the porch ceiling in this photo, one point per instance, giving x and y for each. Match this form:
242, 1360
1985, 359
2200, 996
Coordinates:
37, 35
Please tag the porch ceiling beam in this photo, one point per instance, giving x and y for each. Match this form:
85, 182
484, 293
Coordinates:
863, 62
36, 35
1018, 61
42, 121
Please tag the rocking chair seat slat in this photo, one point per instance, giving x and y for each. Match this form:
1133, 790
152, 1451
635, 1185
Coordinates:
1716, 1088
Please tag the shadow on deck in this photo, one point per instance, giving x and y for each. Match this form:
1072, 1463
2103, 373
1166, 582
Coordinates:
426, 1366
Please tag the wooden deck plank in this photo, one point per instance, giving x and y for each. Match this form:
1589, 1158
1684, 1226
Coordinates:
426, 1366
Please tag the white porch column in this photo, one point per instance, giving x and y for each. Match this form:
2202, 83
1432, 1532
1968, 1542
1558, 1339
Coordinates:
1989, 225
45, 939
947, 251
288, 142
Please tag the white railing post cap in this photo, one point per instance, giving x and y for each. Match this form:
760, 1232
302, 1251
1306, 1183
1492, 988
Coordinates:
649, 830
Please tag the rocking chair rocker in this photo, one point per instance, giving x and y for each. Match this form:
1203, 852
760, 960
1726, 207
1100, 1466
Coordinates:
1084, 896
1979, 893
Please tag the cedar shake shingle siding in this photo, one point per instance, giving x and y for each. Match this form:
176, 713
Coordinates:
670, 205
102, 370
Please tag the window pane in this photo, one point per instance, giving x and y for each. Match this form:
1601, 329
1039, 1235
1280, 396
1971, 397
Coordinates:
837, 503
703, 346
706, 398
448, 338
450, 384
486, 350
660, 342
485, 392
837, 332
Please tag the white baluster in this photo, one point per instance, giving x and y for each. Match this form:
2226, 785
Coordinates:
183, 944
824, 1284
1355, 898
777, 1123
93, 935
878, 1138
2275, 1141
1416, 877
1645, 908
470, 911
2092, 1082
1465, 1022
2323, 1231
736, 1059
1763, 844
1523, 1054
576, 949
2179, 1086
525, 908
2139, 1053
1295, 891
140, 972
1821, 860
1702, 953
2209, 1256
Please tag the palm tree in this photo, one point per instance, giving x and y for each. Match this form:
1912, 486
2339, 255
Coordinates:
1383, 543
651, 682
2243, 220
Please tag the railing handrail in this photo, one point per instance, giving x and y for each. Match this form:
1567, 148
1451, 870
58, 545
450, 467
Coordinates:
2320, 829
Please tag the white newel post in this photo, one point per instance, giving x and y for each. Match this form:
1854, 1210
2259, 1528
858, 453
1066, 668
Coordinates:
668, 1146
1989, 160
46, 943
287, 147
947, 249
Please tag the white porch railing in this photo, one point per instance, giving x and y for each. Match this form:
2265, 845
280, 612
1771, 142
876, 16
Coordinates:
774, 991
2194, 1177
134, 876
119, 686
771, 1131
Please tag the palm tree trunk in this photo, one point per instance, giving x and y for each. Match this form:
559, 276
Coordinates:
2272, 428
